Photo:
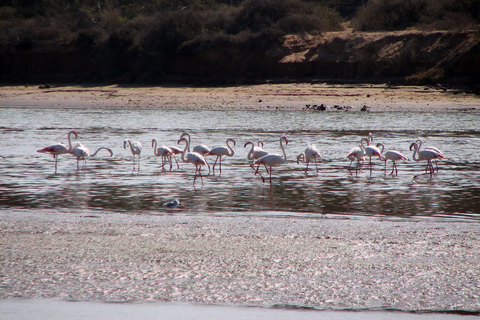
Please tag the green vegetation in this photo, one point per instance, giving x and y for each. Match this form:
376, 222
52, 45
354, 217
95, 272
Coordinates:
104, 40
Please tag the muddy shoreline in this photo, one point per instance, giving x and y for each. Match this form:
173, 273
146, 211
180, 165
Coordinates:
298, 96
332, 264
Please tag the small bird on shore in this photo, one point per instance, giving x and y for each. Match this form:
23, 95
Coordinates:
175, 203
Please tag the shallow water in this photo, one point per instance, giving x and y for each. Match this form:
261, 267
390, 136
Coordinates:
109, 184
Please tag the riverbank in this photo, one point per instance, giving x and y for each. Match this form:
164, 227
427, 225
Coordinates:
328, 264
298, 96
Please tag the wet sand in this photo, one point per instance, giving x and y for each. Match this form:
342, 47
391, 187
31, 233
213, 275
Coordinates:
326, 264
379, 97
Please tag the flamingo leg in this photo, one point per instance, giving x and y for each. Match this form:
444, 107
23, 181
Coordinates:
307, 166
258, 172
316, 166
175, 158
215, 164
56, 159
220, 167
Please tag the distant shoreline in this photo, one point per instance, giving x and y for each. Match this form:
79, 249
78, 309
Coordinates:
315, 97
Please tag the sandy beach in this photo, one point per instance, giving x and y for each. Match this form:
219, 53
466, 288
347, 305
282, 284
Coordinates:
324, 264
370, 97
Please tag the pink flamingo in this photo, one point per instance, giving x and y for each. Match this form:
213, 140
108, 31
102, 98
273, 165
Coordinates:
310, 154
201, 149
426, 154
194, 158
57, 149
392, 155
222, 151
256, 152
136, 149
359, 154
434, 149
176, 150
163, 151
371, 151
82, 153
271, 160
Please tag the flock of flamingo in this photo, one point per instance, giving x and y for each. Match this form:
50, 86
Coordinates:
257, 154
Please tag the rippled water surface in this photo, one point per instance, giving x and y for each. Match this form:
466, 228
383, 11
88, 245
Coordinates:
108, 183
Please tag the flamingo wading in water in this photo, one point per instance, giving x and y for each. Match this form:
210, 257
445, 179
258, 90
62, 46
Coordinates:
310, 154
136, 149
163, 151
82, 153
371, 151
272, 160
57, 149
194, 158
426, 154
222, 151
392, 155
359, 154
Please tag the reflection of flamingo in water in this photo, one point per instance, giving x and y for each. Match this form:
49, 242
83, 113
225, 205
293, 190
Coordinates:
57, 149
392, 155
310, 154
163, 151
272, 160
371, 151
136, 149
194, 158
359, 154
427, 154
222, 151
82, 153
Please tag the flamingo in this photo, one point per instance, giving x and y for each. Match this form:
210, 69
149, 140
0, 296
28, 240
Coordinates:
370, 150
310, 154
391, 155
222, 151
426, 154
201, 149
434, 149
57, 149
82, 153
136, 149
164, 152
176, 150
256, 152
194, 158
272, 160
359, 154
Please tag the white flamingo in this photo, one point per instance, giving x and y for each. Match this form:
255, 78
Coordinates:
392, 155
176, 150
271, 160
220, 152
194, 158
163, 151
81, 152
57, 149
359, 154
136, 149
256, 152
371, 151
426, 154
201, 149
311, 153
434, 149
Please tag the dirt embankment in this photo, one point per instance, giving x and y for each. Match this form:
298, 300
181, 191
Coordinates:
406, 57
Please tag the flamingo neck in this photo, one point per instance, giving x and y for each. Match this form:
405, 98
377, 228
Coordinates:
70, 141
250, 154
283, 149
231, 152
187, 150
155, 151
415, 152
